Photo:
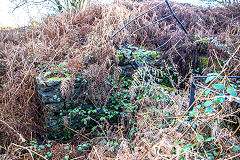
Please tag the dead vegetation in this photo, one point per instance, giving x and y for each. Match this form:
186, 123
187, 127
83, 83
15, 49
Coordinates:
82, 40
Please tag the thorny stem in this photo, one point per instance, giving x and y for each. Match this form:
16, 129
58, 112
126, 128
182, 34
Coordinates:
227, 141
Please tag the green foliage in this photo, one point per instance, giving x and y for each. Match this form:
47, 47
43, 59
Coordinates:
232, 91
120, 57
199, 137
204, 61
203, 42
207, 91
67, 147
209, 139
165, 76
209, 110
66, 157
218, 86
140, 54
58, 73
55, 79
42, 149
201, 141
48, 73
208, 103
236, 148
228, 2
93, 118
219, 100
214, 98
209, 79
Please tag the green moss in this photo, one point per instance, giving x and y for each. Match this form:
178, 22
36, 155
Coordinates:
167, 88
204, 61
153, 54
120, 57
121, 79
55, 79
203, 42
135, 56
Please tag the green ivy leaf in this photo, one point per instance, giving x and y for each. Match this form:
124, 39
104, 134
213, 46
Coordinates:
212, 74
232, 91
219, 100
185, 147
208, 103
209, 139
194, 144
67, 74
209, 110
218, 86
195, 36
102, 118
80, 149
62, 64
49, 145
199, 137
41, 146
67, 147
236, 148
207, 91
200, 93
84, 145
85, 122
47, 73
189, 145
215, 153
50, 155
66, 157
93, 129
177, 143
209, 79
198, 106
116, 144
210, 155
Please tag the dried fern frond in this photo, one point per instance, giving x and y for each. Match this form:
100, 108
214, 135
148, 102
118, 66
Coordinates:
67, 87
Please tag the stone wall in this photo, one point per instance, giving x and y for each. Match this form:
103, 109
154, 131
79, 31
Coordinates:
58, 106
2, 72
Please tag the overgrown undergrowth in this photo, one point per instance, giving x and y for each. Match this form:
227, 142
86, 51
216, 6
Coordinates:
138, 119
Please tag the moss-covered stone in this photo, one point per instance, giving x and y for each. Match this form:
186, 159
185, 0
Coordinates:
153, 54
56, 79
204, 41
2, 72
58, 106
120, 57
149, 53
204, 61
168, 89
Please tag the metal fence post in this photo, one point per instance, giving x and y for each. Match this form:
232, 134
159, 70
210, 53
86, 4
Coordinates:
192, 96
